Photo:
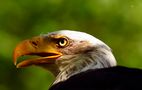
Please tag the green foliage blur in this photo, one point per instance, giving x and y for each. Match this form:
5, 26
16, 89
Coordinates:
116, 22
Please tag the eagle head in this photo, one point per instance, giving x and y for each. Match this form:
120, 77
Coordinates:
65, 53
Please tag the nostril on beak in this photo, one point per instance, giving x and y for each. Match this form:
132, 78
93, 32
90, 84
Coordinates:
34, 43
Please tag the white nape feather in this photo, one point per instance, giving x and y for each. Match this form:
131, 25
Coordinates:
101, 58
82, 36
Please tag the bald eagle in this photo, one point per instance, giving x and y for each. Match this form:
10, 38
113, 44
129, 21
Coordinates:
79, 61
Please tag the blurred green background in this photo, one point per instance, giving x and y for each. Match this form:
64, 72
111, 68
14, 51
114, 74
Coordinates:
116, 22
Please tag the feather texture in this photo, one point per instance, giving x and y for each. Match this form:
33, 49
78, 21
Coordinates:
112, 78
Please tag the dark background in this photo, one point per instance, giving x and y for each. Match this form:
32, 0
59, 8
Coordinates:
116, 22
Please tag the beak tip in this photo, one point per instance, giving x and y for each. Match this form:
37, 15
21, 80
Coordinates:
18, 66
15, 63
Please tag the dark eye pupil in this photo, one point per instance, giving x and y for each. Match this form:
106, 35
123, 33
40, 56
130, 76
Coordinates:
62, 41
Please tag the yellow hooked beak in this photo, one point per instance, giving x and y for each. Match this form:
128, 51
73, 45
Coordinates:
40, 46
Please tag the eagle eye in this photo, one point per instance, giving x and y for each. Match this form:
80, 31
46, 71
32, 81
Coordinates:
62, 42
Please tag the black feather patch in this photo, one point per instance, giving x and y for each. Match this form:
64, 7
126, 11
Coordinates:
113, 78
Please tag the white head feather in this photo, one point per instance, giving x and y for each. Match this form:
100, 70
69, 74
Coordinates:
82, 36
104, 55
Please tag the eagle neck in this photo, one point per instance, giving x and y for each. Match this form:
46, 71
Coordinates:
82, 62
